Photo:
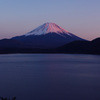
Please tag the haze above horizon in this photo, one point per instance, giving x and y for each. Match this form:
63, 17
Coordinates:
80, 17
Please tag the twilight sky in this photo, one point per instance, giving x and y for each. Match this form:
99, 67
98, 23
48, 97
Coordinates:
80, 17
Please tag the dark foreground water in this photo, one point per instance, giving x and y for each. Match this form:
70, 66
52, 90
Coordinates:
50, 76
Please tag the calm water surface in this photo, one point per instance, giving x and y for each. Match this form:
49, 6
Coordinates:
50, 76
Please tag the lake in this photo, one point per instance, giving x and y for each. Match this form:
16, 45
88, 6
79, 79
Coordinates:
50, 76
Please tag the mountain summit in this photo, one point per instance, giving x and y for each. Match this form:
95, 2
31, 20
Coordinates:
48, 35
47, 28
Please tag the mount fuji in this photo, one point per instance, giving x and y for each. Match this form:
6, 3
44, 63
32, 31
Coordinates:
48, 35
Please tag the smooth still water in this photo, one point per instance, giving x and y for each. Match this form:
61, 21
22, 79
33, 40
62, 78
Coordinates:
50, 76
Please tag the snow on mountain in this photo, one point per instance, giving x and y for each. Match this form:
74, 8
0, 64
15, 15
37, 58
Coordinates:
48, 28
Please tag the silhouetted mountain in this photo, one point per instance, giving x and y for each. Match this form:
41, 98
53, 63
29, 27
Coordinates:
95, 46
84, 47
10, 46
9, 43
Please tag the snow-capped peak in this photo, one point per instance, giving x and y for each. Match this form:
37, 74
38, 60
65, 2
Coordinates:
47, 28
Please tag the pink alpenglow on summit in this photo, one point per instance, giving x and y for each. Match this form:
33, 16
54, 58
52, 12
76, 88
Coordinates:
47, 28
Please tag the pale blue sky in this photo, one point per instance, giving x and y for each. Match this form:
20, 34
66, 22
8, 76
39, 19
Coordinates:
81, 17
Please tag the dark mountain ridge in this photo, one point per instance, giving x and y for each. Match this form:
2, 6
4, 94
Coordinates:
81, 47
